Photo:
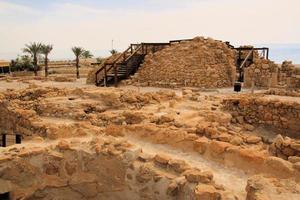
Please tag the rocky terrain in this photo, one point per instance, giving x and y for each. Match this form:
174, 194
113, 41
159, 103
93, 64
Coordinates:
142, 143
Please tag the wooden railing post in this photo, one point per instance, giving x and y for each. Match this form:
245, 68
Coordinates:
3, 140
96, 79
18, 139
127, 70
105, 76
116, 74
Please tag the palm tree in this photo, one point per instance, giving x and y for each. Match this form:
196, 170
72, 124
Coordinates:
113, 51
46, 49
87, 54
34, 50
78, 52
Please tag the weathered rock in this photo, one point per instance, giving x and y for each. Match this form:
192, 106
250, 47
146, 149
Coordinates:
294, 159
295, 146
253, 139
166, 118
63, 145
206, 192
249, 127
201, 144
236, 140
278, 141
196, 176
178, 166
255, 187
297, 166
218, 147
162, 159
279, 166
133, 117
224, 137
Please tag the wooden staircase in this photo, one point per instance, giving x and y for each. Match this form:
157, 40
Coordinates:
126, 63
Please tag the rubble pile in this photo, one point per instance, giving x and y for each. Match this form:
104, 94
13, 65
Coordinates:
201, 63
286, 148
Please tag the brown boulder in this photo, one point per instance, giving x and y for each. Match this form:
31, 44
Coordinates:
253, 139
63, 145
218, 147
206, 192
178, 166
162, 159
279, 166
196, 176
201, 144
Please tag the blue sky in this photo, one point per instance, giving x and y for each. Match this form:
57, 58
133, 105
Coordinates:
93, 24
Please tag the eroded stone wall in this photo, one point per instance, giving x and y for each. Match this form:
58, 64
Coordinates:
289, 75
200, 63
283, 114
262, 72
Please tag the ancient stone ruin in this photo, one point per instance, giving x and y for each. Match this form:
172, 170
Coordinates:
201, 63
172, 135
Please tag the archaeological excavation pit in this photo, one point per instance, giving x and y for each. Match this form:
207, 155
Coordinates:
156, 137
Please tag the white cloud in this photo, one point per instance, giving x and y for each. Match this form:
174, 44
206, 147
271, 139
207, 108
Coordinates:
11, 8
65, 25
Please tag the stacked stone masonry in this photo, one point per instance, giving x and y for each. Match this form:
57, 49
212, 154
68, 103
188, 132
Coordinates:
283, 114
199, 63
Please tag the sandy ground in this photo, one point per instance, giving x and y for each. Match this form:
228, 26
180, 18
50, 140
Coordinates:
80, 83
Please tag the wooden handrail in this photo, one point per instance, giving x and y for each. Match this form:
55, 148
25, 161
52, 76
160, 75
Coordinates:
246, 59
126, 55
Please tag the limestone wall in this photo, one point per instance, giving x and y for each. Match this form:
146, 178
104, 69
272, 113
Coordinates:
266, 73
289, 75
263, 72
268, 110
283, 92
200, 63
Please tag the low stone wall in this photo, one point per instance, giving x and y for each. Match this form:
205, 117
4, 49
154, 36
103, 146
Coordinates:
283, 92
289, 75
283, 114
265, 73
262, 72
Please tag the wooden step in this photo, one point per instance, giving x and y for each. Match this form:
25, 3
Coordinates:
119, 75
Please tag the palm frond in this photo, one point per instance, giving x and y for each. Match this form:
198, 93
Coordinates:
33, 48
46, 49
78, 51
